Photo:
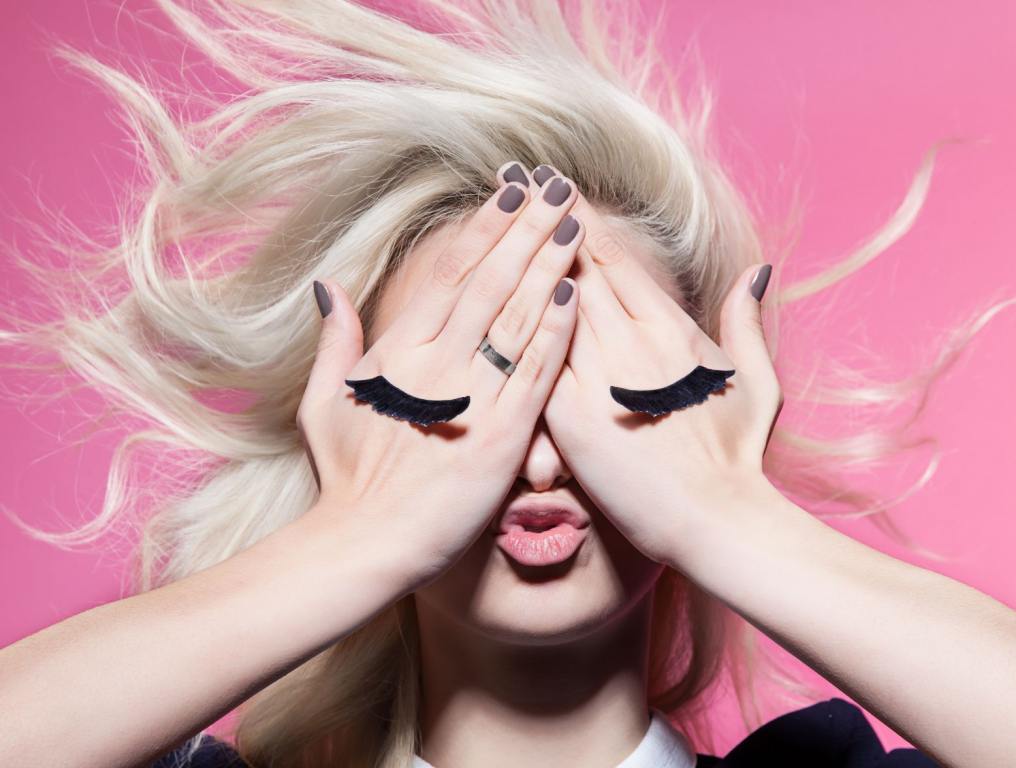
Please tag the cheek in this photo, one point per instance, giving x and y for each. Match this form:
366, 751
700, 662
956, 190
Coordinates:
485, 591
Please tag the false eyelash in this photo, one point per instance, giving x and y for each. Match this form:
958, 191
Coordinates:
688, 390
385, 398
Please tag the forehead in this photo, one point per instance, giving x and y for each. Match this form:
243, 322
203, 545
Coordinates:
419, 262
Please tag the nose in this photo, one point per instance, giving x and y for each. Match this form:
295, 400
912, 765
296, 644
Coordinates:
543, 469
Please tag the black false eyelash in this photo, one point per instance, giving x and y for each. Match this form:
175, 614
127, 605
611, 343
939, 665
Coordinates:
384, 397
688, 390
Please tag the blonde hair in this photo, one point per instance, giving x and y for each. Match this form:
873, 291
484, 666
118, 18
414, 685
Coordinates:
354, 134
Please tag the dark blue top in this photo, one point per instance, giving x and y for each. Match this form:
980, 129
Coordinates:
829, 734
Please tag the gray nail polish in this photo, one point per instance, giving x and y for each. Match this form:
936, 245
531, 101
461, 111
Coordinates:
563, 292
557, 191
510, 200
515, 173
761, 281
324, 301
541, 173
566, 230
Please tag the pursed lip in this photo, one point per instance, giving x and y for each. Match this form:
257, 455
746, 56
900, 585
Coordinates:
537, 512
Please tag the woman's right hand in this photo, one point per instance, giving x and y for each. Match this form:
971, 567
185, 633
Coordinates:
422, 495
123, 682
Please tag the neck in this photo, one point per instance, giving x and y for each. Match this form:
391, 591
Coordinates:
487, 702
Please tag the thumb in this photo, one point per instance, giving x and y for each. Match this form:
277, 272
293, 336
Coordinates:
741, 333
340, 344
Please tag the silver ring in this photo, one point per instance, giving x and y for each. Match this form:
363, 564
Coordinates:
500, 362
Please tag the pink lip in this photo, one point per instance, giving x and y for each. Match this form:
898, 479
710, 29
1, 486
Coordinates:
554, 545
542, 532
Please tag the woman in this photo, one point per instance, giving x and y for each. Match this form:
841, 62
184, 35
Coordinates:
538, 575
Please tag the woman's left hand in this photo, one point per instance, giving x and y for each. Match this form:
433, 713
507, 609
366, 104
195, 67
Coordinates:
652, 476
688, 490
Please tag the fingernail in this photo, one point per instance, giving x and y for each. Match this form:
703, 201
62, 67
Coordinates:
566, 230
324, 300
515, 173
541, 173
510, 200
760, 281
563, 292
557, 191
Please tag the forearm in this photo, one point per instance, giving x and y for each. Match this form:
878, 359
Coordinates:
932, 657
121, 683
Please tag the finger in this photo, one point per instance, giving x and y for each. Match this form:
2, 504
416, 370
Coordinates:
544, 173
512, 171
340, 343
584, 352
563, 402
599, 304
526, 390
501, 270
742, 337
515, 325
435, 298
598, 300
638, 292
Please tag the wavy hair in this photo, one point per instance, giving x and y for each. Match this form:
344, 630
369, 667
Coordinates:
350, 134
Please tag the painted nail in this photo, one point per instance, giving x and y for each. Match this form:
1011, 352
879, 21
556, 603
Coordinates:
760, 281
566, 230
557, 191
563, 292
324, 300
541, 173
511, 198
515, 173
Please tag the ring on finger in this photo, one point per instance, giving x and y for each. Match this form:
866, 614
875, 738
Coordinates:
498, 360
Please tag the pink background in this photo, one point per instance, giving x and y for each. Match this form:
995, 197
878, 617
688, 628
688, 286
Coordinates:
844, 97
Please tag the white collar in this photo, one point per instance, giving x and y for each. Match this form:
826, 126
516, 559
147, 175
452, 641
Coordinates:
663, 746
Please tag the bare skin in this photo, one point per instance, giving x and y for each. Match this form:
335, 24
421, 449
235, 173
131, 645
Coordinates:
563, 681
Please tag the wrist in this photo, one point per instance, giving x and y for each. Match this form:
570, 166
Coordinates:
738, 508
348, 541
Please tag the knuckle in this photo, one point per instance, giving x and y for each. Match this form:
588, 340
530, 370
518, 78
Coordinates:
530, 228
531, 365
487, 226
486, 283
327, 344
546, 261
606, 247
450, 268
553, 324
511, 320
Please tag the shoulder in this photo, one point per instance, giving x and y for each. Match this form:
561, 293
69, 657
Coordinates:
832, 733
211, 753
